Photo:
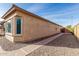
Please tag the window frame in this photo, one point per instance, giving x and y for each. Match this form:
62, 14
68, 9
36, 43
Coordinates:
16, 26
8, 21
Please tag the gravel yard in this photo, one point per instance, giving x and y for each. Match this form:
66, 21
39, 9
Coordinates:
6, 45
66, 45
7, 48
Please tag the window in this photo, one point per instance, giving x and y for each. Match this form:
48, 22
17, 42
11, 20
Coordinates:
18, 25
8, 26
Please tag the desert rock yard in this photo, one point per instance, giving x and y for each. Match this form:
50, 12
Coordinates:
66, 45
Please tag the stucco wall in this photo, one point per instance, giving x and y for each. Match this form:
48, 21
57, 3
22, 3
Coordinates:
32, 28
2, 31
76, 31
10, 36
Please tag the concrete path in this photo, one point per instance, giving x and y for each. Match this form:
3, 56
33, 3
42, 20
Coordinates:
26, 49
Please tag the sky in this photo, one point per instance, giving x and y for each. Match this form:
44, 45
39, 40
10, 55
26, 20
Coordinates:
61, 13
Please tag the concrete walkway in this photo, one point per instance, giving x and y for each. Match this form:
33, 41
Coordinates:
28, 48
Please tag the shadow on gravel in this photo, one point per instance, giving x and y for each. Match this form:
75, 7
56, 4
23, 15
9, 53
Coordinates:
9, 46
66, 40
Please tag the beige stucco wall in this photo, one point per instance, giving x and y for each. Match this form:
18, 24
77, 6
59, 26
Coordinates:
32, 28
76, 31
11, 18
1, 31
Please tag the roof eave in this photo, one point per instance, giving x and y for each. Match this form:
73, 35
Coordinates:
8, 12
14, 7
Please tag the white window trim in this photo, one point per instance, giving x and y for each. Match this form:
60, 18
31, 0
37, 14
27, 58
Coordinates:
16, 27
7, 33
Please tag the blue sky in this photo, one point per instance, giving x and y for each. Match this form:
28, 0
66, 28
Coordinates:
60, 13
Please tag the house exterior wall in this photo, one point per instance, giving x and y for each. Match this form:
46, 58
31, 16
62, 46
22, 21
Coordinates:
1, 31
10, 36
32, 28
76, 31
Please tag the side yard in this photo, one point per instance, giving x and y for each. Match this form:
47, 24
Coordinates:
66, 45
21, 49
